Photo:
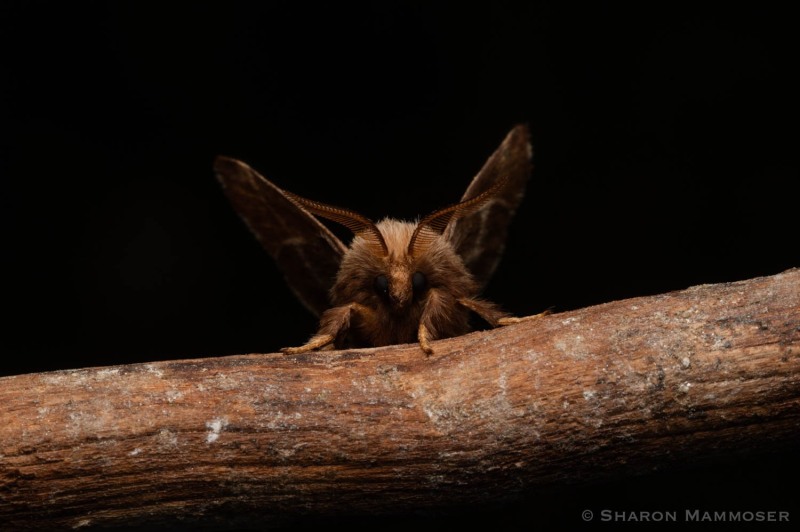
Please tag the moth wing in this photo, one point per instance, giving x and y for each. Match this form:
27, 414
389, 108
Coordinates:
480, 237
305, 250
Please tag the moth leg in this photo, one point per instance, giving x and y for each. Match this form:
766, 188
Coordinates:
431, 314
316, 342
334, 323
424, 337
488, 311
510, 320
492, 314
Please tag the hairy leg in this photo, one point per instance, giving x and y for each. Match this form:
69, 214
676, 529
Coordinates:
492, 314
424, 337
334, 323
488, 311
511, 320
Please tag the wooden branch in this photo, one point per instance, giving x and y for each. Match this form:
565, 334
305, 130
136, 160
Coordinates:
615, 388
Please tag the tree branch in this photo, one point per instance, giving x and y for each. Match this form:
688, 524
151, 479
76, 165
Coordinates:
615, 388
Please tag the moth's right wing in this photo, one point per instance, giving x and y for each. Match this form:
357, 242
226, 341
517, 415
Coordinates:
306, 251
480, 237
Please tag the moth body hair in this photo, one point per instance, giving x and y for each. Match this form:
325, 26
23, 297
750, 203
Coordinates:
397, 315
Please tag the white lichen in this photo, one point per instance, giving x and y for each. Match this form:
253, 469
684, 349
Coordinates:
215, 427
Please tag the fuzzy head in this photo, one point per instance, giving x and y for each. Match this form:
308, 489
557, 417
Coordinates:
399, 280
397, 286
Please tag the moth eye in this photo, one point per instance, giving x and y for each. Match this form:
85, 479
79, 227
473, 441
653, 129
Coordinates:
381, 284
418, 281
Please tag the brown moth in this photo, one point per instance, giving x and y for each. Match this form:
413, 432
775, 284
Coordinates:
397, 282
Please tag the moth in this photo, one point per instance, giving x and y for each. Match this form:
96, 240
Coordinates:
397, 282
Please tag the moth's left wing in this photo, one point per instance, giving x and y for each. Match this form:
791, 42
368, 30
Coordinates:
480, 237
306, 251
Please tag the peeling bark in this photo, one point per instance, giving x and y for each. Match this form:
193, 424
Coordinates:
612, 389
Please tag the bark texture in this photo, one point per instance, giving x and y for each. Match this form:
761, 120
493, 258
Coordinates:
260, 439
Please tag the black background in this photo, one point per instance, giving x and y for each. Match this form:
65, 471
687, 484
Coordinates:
665, 139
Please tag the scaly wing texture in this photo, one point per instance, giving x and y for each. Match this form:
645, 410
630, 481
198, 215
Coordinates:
305, 250
480, 237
